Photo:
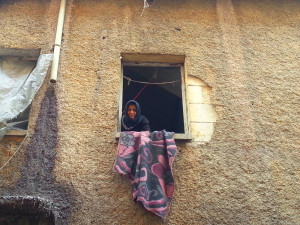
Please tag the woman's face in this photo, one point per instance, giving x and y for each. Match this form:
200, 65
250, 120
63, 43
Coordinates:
131, 111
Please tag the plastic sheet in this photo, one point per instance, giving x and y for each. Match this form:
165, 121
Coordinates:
19, 82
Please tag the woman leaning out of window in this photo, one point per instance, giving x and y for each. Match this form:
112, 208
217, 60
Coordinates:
133, 120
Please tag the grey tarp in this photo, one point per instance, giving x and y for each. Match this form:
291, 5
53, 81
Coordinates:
19, 82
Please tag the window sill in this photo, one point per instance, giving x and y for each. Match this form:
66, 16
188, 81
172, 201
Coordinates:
176, 136
16, 133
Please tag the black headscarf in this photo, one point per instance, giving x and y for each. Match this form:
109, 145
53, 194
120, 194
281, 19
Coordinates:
128, 123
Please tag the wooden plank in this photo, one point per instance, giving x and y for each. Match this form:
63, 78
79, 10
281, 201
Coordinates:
184, 100
120, 99
16, 132
152, 64
32, 53
133, 57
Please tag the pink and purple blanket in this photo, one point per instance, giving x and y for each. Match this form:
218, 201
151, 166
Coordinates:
146, 159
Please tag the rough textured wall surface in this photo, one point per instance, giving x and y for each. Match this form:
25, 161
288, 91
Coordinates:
249, 172
247, 51
27, 180
37, 182
28, 24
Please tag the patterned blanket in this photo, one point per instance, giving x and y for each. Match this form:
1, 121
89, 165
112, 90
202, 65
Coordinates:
146, 159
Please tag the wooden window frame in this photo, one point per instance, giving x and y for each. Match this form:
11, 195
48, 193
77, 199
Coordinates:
180, 136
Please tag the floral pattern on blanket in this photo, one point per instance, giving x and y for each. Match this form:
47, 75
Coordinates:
146, 159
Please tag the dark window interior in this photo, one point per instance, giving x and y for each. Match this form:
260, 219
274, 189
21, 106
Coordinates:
20, 122
13, 215
160, 103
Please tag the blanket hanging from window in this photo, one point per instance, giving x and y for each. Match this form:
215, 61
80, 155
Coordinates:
146, 159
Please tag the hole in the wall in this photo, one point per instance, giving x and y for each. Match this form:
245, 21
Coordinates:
25, 211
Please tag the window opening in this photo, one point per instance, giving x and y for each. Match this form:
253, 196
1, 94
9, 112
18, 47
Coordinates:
20, 122
25, 212
14, 73
21, 77
158, 89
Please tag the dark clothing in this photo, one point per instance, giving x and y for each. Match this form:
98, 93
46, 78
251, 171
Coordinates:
143, 125
139, 123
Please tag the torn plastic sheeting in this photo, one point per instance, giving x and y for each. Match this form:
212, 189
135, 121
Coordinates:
19, 83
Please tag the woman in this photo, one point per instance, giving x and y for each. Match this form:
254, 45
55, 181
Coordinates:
132, 120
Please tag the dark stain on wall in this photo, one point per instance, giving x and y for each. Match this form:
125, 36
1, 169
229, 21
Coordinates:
37, 186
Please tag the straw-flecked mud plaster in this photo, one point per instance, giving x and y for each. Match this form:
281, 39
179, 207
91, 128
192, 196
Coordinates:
246, 51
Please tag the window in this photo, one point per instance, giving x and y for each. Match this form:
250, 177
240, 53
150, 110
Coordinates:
159, 87
14, 72
20, 122
22, 72
24, 211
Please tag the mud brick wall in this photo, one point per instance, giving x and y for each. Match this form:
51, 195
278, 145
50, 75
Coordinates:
242, 60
